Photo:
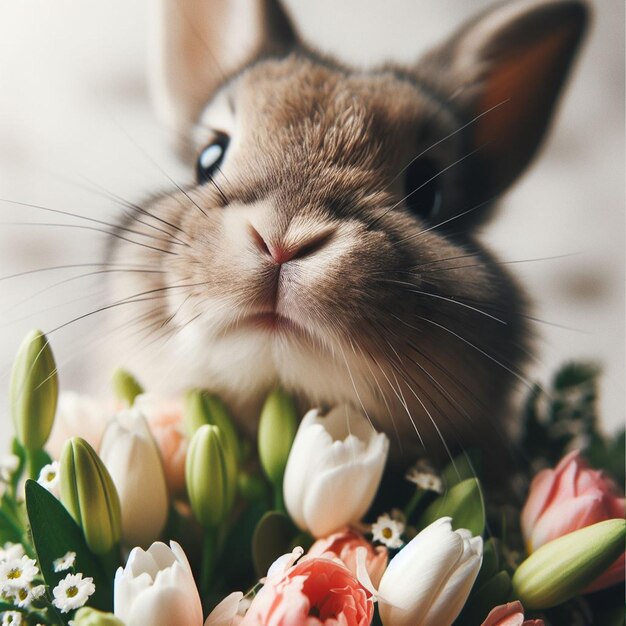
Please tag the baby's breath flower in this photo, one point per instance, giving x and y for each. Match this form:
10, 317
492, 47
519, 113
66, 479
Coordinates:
17, 573
72, 592
388, 531
24, 596
425, 477
64, 562
49, 477
8, 464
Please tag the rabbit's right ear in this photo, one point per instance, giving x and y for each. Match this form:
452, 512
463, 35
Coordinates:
197, 44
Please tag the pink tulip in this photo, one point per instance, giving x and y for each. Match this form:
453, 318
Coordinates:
511, 614
314, 592
570, 497
164, 417
343, 545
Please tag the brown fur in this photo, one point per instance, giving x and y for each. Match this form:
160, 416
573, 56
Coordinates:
402, 315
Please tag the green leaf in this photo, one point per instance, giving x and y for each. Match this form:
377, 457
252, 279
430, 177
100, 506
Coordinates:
272, 538
464, 466
463, 503
54, 534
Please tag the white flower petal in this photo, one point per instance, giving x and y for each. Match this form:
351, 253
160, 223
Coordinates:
224, 613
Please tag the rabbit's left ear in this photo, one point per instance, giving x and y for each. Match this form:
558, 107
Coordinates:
197, 44
504, 72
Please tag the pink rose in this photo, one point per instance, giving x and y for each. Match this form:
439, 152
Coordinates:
343, 545
165, 419
570, 497
313, 592
511, 614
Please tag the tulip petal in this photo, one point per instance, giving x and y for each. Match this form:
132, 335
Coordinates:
416, 573
127, 589
452, 597
570, 515
163, 606
224, 613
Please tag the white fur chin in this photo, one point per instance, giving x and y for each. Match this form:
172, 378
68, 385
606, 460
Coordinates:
243, 366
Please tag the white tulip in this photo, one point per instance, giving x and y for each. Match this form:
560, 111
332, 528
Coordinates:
428, 581
157, 588
334, 469
131, 455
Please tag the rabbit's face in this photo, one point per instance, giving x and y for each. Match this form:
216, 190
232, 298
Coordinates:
327, 246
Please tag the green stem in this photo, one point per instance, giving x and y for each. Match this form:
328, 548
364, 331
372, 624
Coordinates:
32, 465
279, 502
209, 556
413, 503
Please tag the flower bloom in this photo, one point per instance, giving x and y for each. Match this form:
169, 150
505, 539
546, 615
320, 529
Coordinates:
11, 618
315, 592
388, 530
429, 580
567, 498
344, 545
165, 419
511, 614
78, 416
333, 471
17, 572
130, 454
64, 562
157, 587
49, 477
72, 592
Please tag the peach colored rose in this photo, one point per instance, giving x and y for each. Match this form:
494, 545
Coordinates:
314, 592
570, 497
165, 419
511, 614
343, 545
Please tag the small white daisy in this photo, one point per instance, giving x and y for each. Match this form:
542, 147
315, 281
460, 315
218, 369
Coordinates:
72, 592
24, 596
49, 477
8, 464
65, 562
425, 477
388, 531
17, 573
11, 551
11, 618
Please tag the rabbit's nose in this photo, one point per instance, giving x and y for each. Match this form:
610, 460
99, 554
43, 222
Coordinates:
281, 252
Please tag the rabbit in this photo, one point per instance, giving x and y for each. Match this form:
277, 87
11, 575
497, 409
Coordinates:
328, 244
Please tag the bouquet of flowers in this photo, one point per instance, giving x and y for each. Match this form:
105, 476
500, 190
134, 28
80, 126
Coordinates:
142, 510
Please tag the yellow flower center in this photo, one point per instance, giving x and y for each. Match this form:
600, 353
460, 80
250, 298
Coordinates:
50, 476
387, 533
14, 573
71, 591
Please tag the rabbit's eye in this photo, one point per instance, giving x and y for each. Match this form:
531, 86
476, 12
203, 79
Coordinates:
210, 159
423, 188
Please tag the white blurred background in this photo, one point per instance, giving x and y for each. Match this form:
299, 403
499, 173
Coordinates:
75, 119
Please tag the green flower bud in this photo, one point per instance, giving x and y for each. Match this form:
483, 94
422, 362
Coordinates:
210, 485
125, 386
34, 390
91, 617
88, 493
202, 407
563, 567
277, 430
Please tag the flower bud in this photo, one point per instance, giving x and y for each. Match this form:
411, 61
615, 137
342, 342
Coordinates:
210, 488
33, 391
202, 407
132, 457
563, 567
277, 430
90, 617
125, 386
88, 493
